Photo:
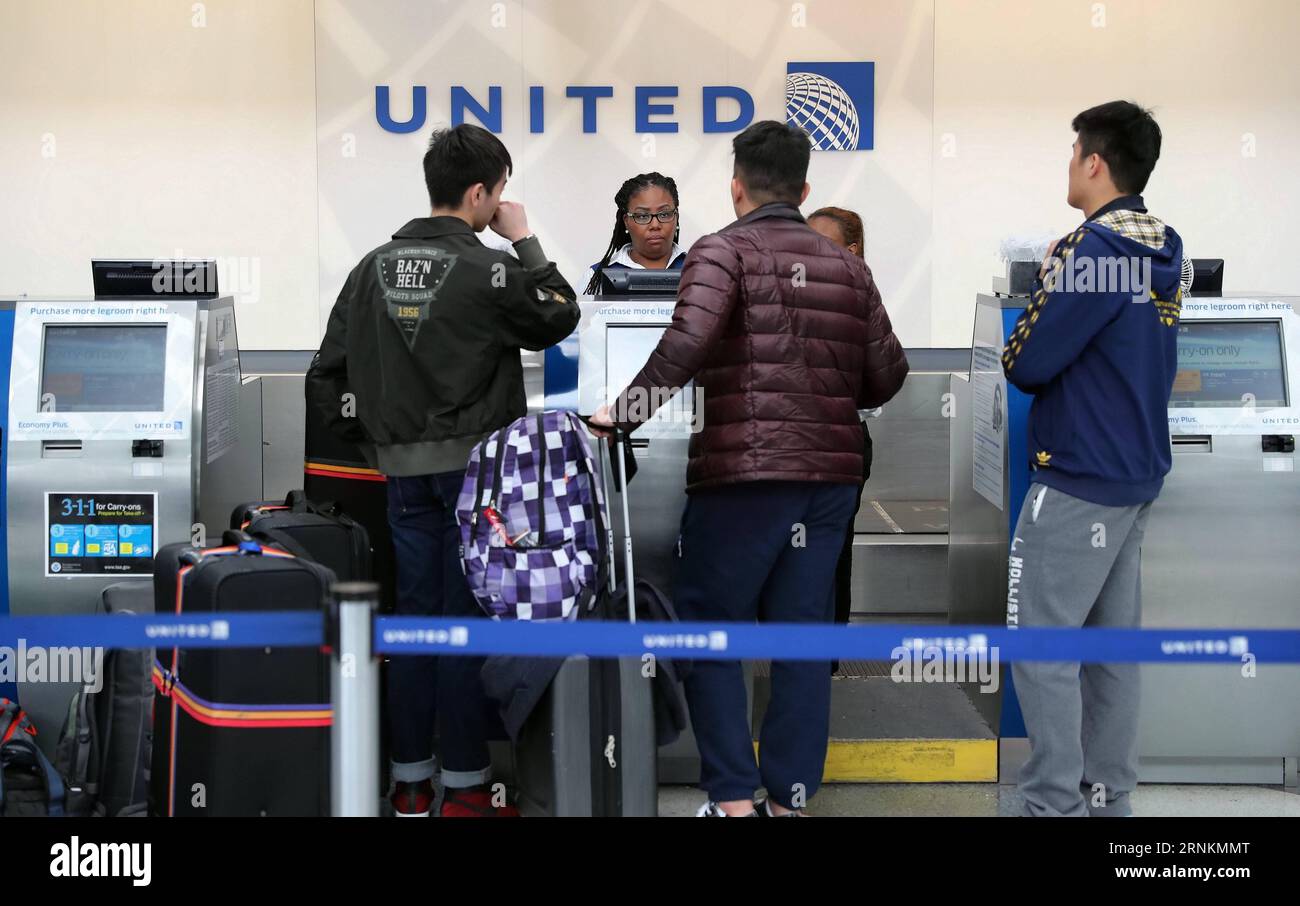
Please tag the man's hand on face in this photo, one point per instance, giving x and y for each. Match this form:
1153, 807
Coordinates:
510, 221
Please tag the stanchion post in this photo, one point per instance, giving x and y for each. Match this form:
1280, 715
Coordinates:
354, 687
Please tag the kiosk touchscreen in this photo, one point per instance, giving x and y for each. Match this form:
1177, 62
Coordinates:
1223, 364
128, 426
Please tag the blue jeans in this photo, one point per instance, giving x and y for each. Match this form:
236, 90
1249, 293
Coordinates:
430, 583
741, 560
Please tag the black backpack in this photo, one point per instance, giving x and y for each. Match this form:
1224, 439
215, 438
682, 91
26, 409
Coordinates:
106, 747
320, 532
29, 784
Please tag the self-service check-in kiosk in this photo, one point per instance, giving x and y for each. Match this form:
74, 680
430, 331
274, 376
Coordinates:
1221, 550
128, 426
1222, 547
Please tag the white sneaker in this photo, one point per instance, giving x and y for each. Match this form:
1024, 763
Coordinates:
764, 810
711, 809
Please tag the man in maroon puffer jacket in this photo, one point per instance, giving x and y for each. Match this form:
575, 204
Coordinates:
785, 334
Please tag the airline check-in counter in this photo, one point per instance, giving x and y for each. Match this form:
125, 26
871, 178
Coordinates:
128, 426
900, 557
1221, 550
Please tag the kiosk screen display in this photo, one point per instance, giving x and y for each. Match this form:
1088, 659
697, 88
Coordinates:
103, 368
627, 346
1225, 364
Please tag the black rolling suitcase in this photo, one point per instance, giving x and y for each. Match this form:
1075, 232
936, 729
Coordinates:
588, 748
239, 731
317, 531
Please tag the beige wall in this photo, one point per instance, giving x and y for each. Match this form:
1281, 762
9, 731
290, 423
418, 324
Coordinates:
126, 130
1010, 75
370, 180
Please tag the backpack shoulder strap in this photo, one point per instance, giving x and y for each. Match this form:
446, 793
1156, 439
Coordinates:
541, 478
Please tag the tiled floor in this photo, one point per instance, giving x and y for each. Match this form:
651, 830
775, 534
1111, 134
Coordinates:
997, 800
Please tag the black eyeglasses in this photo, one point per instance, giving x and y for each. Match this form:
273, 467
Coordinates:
643, 217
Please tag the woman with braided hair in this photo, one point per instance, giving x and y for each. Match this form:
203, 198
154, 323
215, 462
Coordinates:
646, 228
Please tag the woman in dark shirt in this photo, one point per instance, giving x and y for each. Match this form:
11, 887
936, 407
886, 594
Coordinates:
647, 225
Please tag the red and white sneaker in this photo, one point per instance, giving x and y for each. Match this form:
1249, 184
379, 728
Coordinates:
473, 802
412, 800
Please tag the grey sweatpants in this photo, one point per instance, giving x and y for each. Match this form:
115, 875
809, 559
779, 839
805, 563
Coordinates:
1075, 563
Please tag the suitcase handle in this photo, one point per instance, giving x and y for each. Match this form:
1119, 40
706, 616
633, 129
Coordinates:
298, 501
238, 538
629, 457
619, 441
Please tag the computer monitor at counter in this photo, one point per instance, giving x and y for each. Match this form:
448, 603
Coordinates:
134, 279
637, 283
1207, 276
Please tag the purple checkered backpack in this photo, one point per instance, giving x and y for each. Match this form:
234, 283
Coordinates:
532, 520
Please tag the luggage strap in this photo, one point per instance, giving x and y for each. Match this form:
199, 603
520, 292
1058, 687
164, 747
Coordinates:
325, 469
244, 716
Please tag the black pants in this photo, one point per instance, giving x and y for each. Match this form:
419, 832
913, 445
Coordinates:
844, 568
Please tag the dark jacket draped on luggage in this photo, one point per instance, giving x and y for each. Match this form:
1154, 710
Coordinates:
426, 336
518, 684
787, 337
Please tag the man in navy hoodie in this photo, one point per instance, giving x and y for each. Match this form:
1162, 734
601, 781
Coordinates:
1096, 348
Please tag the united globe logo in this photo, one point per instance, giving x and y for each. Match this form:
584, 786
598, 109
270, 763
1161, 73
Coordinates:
824, 110
833, 102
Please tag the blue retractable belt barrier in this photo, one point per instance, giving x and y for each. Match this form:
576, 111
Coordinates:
713, 641
215, 630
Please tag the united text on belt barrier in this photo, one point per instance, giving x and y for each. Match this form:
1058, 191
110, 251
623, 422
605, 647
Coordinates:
711, 641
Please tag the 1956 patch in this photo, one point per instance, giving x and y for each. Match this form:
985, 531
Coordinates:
410, 278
